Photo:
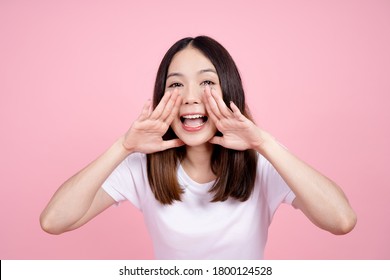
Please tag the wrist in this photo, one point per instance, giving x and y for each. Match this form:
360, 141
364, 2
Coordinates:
267, 144
120, 145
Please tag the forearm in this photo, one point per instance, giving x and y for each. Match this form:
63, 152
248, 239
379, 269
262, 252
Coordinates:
321, 200
73, 199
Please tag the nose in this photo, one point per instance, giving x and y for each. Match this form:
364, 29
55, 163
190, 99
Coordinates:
192, 95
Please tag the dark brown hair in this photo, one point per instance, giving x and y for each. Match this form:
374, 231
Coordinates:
235, 170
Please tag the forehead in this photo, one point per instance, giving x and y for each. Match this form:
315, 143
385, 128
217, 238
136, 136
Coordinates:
189, 60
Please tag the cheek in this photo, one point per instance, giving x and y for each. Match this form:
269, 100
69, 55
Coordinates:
217, 89
213, 127
176, 123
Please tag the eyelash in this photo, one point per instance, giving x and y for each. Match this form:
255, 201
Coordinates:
207, 82
173, 85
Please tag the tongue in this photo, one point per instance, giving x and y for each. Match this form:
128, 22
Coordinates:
193, 122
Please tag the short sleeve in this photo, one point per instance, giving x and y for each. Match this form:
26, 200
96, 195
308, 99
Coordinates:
128, 180
274, 187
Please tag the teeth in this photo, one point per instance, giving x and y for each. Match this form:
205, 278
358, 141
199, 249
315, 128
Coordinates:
193, 116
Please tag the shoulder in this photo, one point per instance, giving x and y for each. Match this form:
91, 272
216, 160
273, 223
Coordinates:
135, 158
263, 165
135, 161
268, 177
134, 164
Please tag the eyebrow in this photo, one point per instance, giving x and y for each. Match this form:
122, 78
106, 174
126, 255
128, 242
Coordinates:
207, 70
199, 72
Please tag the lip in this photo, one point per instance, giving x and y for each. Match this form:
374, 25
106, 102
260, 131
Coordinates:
192, 113
193, 128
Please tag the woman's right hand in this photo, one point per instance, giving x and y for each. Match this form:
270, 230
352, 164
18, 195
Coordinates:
81, 197
145, 134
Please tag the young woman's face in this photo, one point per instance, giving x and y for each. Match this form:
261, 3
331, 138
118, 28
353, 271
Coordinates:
190, 71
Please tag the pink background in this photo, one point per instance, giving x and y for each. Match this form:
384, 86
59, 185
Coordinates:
74, 74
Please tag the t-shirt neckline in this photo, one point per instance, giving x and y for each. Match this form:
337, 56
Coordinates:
186, 180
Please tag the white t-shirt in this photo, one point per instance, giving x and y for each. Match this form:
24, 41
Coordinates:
196, 228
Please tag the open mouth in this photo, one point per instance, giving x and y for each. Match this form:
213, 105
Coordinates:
195, 120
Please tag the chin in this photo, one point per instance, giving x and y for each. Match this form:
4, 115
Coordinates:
195, 140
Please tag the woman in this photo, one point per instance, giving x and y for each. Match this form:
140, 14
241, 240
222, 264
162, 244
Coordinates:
207, 179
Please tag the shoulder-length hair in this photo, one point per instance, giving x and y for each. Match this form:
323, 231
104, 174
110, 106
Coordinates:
235, 170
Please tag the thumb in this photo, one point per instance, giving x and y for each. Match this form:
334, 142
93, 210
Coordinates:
218, 140
169, 144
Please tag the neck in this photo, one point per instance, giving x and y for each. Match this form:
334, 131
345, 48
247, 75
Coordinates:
199, 156
197, 163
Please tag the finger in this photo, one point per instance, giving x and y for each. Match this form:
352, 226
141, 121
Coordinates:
174, 111
212, 106
146, 110
218, 140
156, 114
210, 112
225, 111
236, 112
171, 105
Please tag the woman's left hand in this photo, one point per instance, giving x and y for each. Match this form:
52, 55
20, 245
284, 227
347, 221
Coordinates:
238, 132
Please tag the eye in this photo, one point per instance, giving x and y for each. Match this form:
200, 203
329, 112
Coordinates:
173, 85
207, 82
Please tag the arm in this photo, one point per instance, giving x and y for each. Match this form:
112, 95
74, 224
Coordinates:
81, 197
320, 199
